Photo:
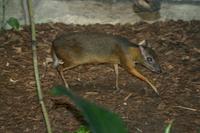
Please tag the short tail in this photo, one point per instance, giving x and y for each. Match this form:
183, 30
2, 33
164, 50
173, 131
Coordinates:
55, 59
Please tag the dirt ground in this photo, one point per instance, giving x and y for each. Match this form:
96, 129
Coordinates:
177, 44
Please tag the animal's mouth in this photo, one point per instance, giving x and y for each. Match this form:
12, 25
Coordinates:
157, 70
153, 69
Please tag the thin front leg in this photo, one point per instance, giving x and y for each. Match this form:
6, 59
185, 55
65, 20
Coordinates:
117, 76
60, 72
134, 72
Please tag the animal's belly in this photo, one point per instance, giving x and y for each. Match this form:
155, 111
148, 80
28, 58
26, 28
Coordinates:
97, 60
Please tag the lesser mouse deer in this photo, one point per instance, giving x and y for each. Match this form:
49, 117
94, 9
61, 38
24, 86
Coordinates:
73, 49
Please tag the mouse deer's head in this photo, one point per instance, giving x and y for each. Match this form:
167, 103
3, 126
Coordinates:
149, 58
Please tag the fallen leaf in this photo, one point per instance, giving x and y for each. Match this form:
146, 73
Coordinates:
12, 80
18, 50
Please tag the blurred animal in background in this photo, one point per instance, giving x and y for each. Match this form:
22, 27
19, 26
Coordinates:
147, 9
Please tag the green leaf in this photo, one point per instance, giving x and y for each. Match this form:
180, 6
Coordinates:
168, 128
100, 120
14, 23
82, 129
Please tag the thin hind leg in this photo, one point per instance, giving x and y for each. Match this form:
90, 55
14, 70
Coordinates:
61, 73
61, 70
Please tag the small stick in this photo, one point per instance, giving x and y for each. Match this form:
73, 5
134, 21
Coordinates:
187, 108
36, 71
127, 97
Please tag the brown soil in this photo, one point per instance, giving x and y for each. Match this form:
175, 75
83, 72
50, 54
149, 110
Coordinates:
176, 44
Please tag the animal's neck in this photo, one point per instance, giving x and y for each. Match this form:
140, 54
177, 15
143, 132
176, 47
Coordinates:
136, 54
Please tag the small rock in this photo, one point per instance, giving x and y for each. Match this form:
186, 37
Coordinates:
125, 103
7, 64
79, 79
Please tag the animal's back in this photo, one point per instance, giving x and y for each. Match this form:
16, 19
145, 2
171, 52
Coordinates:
82, 47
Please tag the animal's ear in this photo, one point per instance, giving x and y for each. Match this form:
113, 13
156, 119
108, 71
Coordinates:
144, 43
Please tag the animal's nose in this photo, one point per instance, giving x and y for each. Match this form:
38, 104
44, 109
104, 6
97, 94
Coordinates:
158, 70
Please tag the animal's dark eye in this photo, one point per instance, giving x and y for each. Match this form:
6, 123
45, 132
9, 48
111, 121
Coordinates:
149, 59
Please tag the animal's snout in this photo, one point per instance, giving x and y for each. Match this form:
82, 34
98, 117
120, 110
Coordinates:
158, 70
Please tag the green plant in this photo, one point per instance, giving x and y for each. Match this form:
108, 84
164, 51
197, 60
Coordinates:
14, 23
168, 127
99, 119
82, 129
